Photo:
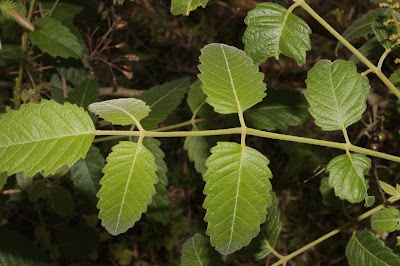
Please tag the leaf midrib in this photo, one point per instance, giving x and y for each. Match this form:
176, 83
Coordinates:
195, 251
280, 34
362, 246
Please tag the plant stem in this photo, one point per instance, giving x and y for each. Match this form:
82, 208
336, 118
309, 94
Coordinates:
363, 59
328, 235
24, 47
53, 8
253, 132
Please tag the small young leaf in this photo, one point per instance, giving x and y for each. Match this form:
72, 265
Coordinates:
159, 207
272, 30
198, 252
86, 174
32, 133
386, 220
197, 101
238, 192
162, 100
198, 151
230, 79
127, 186
184, 7
3, 179
261, 246
279, 110
364, 249
124, 111
360, 27
55, 39
388, 188
61, 201
346, 176
38, 190
336, 93
371, 50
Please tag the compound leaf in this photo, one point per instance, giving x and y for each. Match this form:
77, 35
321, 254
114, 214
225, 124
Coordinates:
55, 39
197, 101
261, 246
159, 207
386, 220
364, 249
346, 176
237, 195
162, 100
44, 136
279, 110
184, 7
124, 111
198, 252
127, 186
230, 79
86, 174
360, 27
336, 93
272, 30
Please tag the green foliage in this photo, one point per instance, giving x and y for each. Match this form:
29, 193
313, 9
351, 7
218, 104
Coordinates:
55, 39
272, 30
279, 110
61, 201
364, 249
127, 186
237, 193
197, 101
184, 7
371, 49
3, 179
37, 190
162, 100
85, 93
198, 151
121, 111
346, 176
31, 133
336, 94
393, 192
230, 79
383, 32
197, 251
386, 220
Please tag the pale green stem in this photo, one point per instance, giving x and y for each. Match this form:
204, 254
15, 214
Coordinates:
253, 132
382, 59
360, 56
53, 8
328, 235
394, 17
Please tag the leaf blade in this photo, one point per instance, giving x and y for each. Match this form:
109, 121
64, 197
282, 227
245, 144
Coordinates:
386, 220
197, 251
184, 7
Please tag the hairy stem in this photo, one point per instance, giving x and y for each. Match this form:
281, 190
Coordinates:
253, 132
328, 235
360, 56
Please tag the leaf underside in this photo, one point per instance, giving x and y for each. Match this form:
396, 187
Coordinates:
271, 30
386, 220
336, 94
346, 176
127, 186
364, 249
28, 137
198, 252
237, 194
230, 79
184, 7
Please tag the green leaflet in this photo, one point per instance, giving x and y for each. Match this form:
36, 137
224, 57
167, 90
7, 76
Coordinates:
162, 100
237, 194
383, 32
197, 101
329, 198
336, 94
61, 201
198, 151
124, 111
86, 174
281, 109
364, 249
272, 30
16, 249
183, 7
346, 176
38, 190
31, 134
85, 93
197, 251
127, 186
260, 246
371, 49
159, 207
55, 39
386, 220
360, 27
230, 79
